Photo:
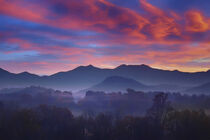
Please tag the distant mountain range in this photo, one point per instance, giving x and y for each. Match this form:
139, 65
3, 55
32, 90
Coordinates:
84, 77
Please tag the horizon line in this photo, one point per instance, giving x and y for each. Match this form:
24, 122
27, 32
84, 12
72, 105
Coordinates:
114, 67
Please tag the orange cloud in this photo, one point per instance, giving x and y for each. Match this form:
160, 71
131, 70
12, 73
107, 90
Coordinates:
161, 25
150, 8
196, 22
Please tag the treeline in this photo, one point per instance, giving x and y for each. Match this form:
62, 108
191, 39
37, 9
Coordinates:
130, 102
161, 122
34, 96
136, 103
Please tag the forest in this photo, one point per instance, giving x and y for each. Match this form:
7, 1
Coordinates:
150, 116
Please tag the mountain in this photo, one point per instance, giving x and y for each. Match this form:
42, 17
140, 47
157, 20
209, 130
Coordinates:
87, 76
84, 77
117, 83
202, 89
78, 78
152, 76
17, 80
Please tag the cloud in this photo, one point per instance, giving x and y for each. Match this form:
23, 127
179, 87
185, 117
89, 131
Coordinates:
107, 18
104, 32
196, 22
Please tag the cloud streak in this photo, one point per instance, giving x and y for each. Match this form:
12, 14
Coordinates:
78, 32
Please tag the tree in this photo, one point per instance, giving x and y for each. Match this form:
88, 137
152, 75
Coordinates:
160, 108
158, 113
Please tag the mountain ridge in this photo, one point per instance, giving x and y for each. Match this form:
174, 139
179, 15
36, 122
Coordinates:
84, 77
90, 65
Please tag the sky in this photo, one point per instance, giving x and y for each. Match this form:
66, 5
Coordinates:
47, 36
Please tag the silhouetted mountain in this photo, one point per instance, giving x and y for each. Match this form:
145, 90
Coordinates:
78, 78
152, 76
202, 89
84, 77
117, 83
18, 80
2, 72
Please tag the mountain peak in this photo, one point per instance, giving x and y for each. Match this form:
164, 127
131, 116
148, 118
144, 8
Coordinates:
145, 66
25, 73
123, 65
133, 66
88, 67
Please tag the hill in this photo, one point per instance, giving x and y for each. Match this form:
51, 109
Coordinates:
117, 83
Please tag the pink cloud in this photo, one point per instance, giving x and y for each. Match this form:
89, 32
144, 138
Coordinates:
123, 27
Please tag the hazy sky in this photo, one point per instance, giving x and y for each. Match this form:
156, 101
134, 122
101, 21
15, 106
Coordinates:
47, 36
